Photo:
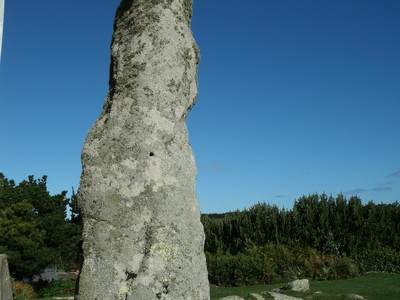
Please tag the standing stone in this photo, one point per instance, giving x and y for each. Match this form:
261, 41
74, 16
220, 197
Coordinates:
5, 281
142, 237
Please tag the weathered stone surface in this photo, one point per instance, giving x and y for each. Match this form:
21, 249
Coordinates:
231, 298
257, 296
5, 281
299, 285
142, 236
355, 297
278, 296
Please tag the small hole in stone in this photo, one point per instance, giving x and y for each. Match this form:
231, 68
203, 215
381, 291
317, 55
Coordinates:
151, 154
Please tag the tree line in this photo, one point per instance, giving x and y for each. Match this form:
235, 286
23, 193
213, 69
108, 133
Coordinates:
331, 225
321, 237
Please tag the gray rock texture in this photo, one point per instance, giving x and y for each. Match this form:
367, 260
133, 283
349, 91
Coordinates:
355, 297
278, 296
257, 296
5, 281
231, 298
299, 285
142, 237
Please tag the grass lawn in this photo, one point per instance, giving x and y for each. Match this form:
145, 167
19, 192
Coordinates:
220, 292
373, 286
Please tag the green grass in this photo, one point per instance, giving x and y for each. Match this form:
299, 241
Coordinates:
373, 286
220, 292
51, 298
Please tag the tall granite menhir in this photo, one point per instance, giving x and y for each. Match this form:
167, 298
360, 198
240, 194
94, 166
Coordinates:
142, 237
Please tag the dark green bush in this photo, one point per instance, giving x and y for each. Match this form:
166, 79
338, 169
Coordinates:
238, 270
380, 259
57, 288
276, 263
321, 266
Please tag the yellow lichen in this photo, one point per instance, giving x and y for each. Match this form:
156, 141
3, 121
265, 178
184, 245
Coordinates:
123, 292
163, 250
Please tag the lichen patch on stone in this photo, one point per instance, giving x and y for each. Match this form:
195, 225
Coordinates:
138, 194
165, 251
121, 295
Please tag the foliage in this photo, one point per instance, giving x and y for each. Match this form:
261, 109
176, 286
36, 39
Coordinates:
333, 227
272, 263
321, 237
34, 230
57, 288
380, 259
23, 290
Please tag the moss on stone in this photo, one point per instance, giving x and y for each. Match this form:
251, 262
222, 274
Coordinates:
115, 199
133, 17
174, 86
136, 15
187, 56
126, 81
188, 10
148, 91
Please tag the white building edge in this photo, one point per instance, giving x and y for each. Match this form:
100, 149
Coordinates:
1, 24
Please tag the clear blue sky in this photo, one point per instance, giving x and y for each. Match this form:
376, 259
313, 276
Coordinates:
296, 96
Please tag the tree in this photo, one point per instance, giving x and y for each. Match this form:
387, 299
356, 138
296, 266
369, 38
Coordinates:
34, 230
